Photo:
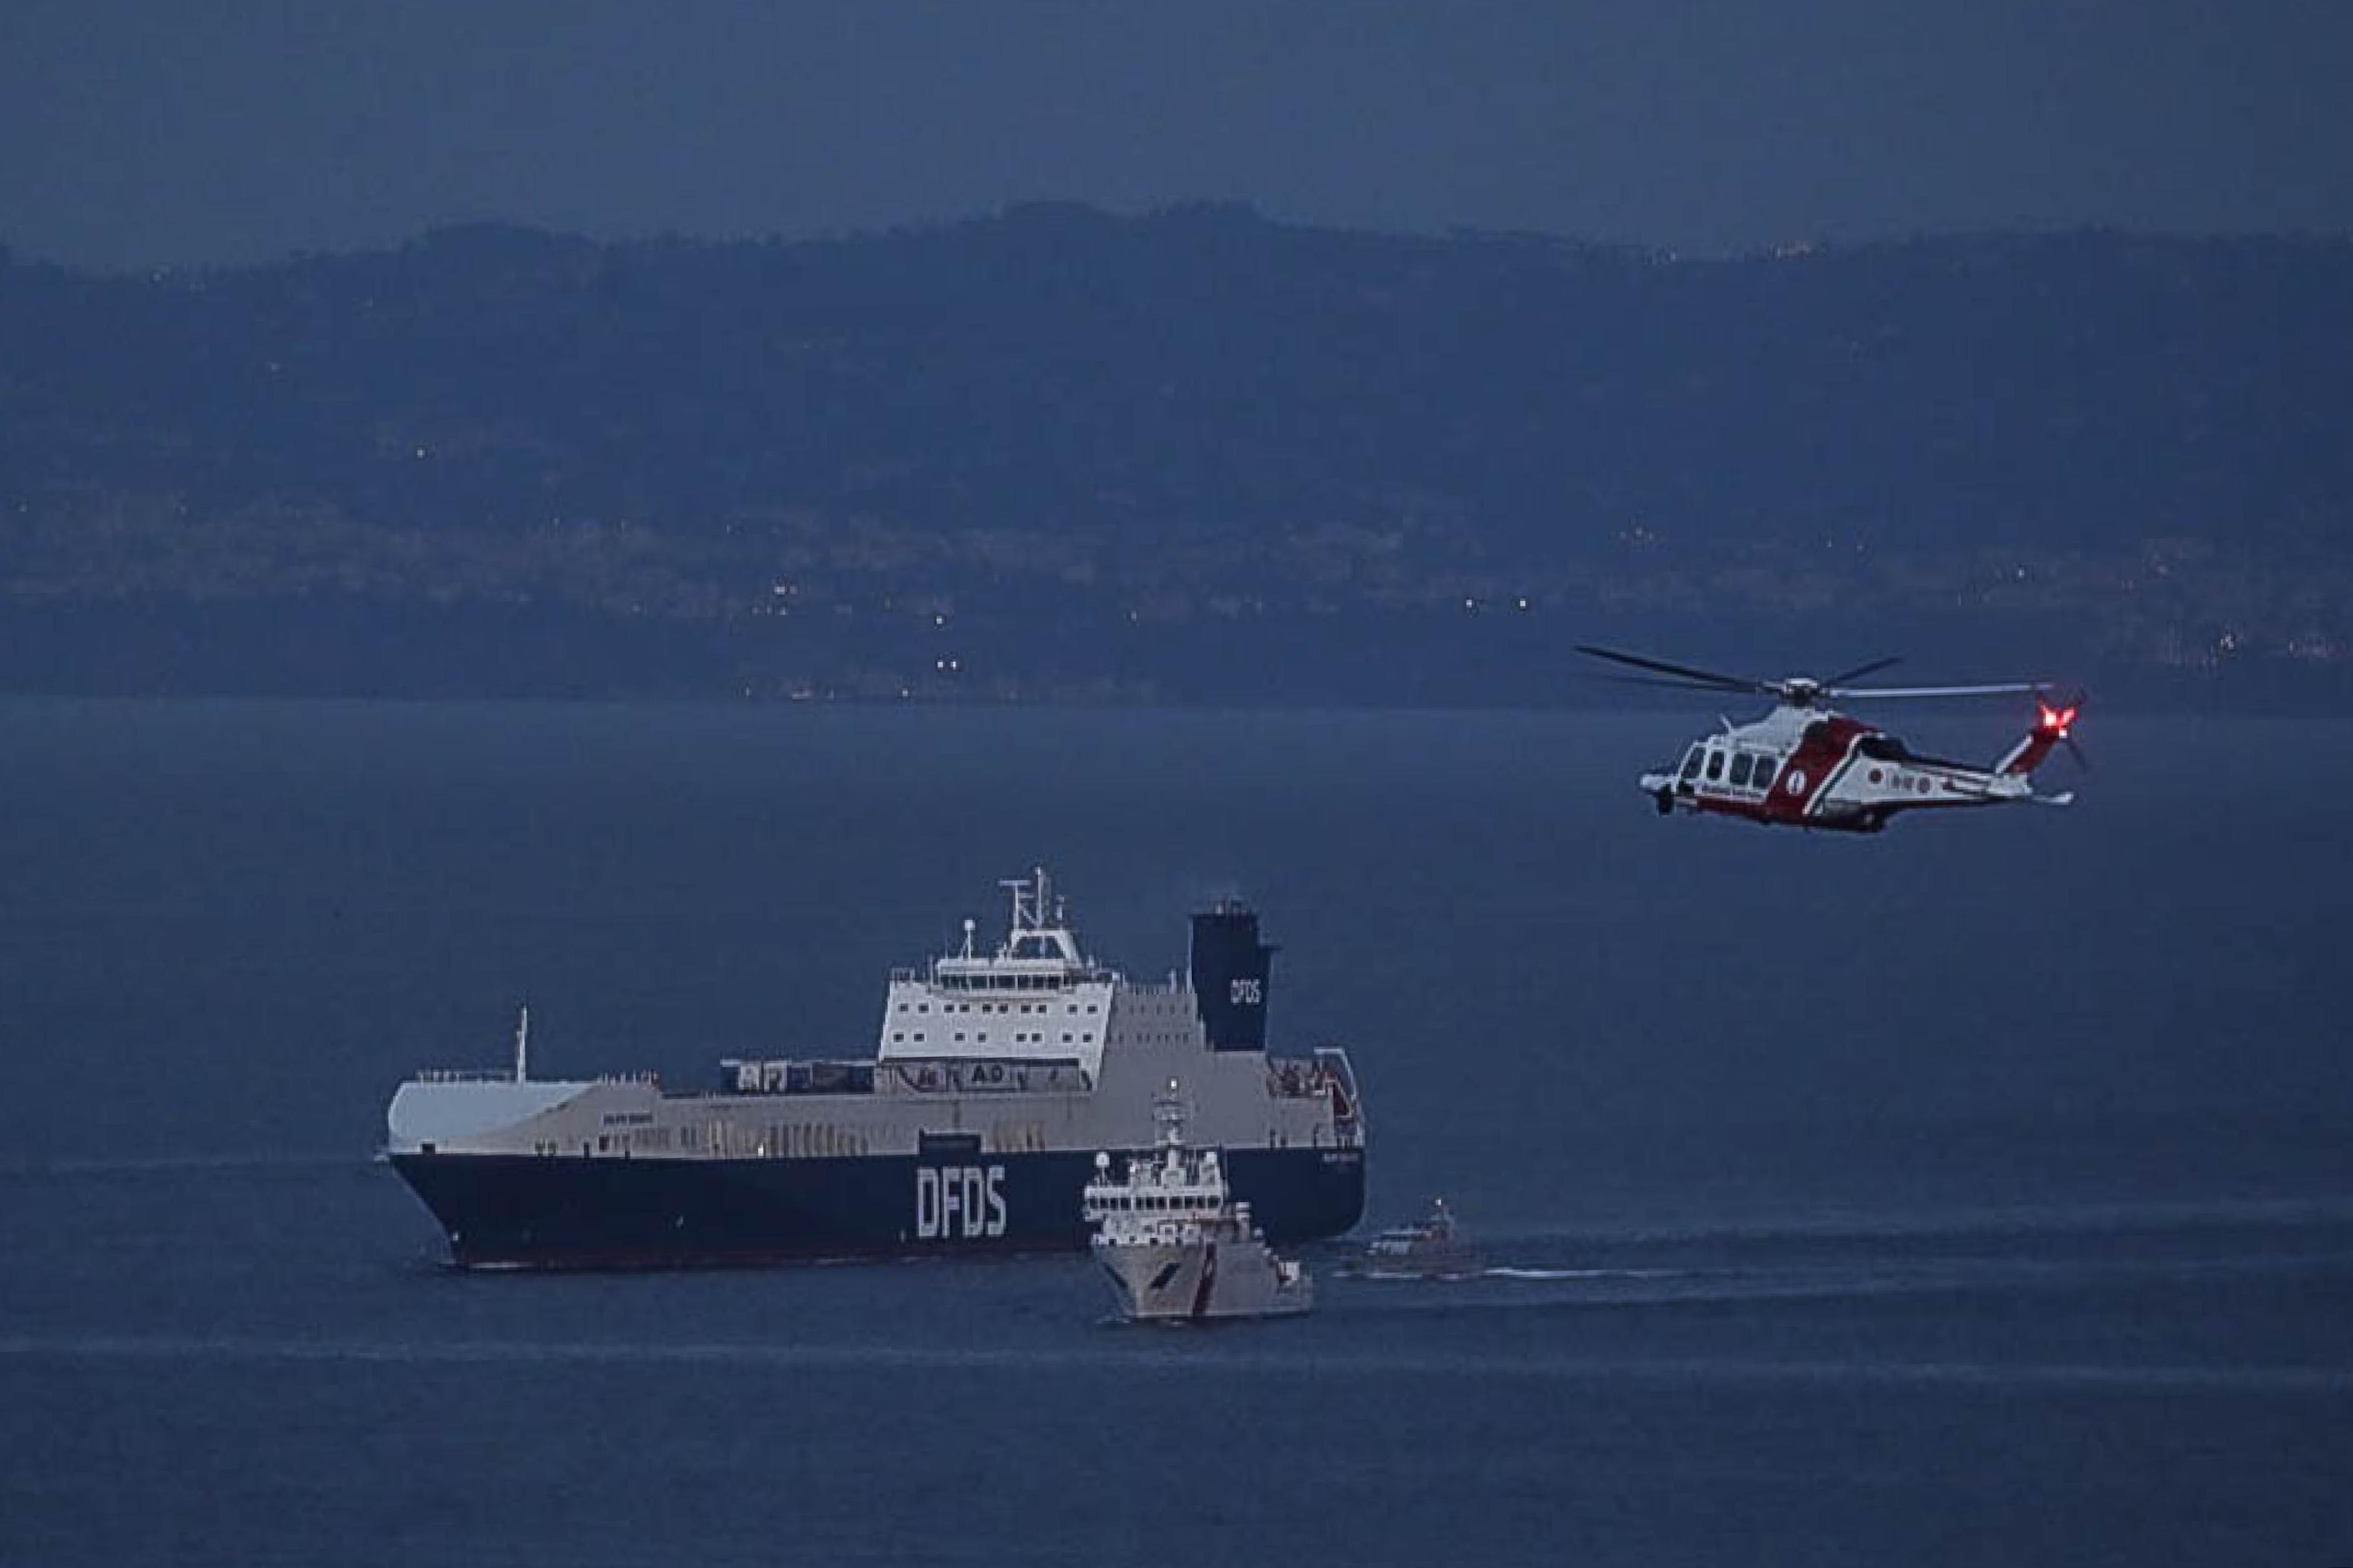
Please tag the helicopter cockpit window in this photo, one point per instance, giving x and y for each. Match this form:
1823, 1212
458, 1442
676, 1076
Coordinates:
1740, 765
1715, 765
1692, 760
1763, 775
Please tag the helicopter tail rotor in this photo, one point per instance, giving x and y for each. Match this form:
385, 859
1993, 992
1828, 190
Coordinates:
2054, 721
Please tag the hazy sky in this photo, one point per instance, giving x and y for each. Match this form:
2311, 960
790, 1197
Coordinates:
139, 131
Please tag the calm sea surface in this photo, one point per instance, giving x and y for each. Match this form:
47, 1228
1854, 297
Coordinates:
1980, 1194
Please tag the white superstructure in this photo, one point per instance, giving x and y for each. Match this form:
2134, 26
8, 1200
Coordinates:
1036, 1000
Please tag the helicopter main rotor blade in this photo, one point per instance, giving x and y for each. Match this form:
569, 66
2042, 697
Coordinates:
1877, 693
1860, 670
1707, 677
1656, 684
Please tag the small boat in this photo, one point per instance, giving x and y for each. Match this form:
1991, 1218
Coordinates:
1432, 1248
1174, 1243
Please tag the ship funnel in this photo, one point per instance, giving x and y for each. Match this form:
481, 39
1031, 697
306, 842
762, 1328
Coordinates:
1229, 969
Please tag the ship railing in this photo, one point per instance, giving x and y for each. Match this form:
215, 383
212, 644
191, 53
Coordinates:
947, 1076
506, 1075
784, 1077
956, 1077
1347, 1118
1327, 1077
983, 975
1289, 1078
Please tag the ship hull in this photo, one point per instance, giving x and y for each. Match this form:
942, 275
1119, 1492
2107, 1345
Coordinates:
1200, 1281
562, 1212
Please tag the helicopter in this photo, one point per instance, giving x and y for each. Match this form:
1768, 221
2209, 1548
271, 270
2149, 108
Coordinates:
1805, 765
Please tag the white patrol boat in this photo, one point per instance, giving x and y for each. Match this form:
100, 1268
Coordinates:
1176, 1244
970, 1127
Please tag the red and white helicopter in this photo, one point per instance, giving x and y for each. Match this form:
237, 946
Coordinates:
1803, 766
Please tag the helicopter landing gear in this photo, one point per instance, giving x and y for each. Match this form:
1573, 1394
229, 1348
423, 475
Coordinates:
1666, 799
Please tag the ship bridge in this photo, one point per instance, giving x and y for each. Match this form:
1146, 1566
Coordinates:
1038, 998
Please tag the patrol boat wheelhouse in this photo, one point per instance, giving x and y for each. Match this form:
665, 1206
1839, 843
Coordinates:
1176, 1244
973, 1128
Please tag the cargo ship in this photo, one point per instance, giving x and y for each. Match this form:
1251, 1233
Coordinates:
972, 1127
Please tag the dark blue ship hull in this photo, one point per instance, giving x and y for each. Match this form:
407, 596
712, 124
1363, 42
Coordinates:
564, 1212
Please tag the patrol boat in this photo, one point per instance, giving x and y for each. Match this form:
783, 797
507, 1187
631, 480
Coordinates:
972, 1127
1434, 1249
1177, 1244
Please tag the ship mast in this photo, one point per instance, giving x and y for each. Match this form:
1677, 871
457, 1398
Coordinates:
1028, 906
1040, 927
522, 1045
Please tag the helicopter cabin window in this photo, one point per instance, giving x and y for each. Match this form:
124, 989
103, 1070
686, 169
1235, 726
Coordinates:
1692, 760
1763, 778
1740, 769
1715, 764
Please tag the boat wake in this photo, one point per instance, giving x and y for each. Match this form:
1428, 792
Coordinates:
1508, 1272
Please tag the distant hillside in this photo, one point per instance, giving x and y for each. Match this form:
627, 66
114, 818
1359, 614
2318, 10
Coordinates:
1193, 455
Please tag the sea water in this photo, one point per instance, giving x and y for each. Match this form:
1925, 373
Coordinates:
1979, 1193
